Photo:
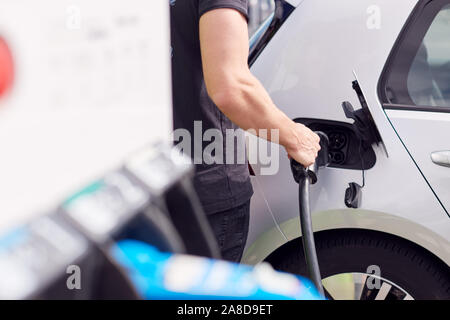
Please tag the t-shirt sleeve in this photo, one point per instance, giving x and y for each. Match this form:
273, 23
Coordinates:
208, 5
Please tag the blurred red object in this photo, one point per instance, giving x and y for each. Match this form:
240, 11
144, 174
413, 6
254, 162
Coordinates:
6, 67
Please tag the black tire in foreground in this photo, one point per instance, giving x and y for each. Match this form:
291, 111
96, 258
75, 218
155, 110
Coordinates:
406, 271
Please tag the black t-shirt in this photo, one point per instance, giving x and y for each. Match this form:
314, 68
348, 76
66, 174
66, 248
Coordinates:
220, 186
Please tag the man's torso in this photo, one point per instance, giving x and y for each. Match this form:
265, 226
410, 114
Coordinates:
220, 186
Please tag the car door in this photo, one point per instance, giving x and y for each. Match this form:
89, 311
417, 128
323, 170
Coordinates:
415, 91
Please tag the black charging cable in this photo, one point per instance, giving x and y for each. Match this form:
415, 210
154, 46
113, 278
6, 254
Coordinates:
361, 156
305, 177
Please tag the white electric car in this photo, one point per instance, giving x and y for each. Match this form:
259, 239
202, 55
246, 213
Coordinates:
381, 208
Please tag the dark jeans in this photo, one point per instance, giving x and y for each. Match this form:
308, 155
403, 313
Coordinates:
231, 229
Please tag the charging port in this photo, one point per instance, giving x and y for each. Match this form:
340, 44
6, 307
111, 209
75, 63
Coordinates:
347, 150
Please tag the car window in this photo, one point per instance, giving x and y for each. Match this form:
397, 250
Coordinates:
275, 13
259, 11
429, 76
418, 72
260, 32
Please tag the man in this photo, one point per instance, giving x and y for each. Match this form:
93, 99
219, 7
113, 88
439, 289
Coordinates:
213, 84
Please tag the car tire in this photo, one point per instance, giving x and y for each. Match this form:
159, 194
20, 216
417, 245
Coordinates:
404, 265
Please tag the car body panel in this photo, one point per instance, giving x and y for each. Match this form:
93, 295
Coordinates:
424, 133
294, 3
308, 73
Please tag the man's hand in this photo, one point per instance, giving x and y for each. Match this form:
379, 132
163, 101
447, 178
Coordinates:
307, 146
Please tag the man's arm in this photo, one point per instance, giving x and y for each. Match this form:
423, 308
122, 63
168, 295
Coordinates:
237, 93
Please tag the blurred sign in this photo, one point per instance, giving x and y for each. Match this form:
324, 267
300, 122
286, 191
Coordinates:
91, 85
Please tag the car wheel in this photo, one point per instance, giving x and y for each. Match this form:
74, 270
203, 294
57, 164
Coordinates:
368, 265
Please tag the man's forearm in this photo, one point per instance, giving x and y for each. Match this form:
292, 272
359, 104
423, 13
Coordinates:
245, 102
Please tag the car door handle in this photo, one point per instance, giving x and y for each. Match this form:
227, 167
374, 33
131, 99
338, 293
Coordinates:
441, 158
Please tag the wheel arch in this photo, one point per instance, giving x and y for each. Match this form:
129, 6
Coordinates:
273, 240
296, 244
